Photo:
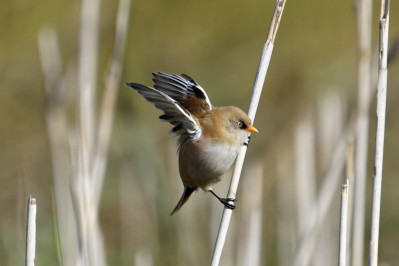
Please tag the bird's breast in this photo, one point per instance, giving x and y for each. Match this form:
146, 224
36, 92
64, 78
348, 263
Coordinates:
203, 164
218, 156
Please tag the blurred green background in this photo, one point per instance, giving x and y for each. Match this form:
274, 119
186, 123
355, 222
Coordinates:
218, 43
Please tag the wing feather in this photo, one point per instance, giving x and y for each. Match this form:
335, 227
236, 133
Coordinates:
183, 89
174, 112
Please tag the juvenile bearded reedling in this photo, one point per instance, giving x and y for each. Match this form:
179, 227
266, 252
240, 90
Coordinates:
209, 137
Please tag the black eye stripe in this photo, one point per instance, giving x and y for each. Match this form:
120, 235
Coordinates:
243, 125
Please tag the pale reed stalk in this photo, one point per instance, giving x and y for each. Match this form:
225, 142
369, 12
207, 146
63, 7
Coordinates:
80, 155
257, 90
343, 224
364, 11
30, 250
380, 133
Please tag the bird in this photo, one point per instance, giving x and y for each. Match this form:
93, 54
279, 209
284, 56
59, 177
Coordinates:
209, 137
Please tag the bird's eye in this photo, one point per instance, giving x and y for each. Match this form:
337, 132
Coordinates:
241, 125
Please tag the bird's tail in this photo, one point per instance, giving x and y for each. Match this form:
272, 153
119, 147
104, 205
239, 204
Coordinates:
186, 195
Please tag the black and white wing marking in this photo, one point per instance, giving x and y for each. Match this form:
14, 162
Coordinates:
183, 89
183, 122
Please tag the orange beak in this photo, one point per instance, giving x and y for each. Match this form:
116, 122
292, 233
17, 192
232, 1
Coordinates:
252, 129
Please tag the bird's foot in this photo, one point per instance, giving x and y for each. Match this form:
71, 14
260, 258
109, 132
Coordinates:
227, 202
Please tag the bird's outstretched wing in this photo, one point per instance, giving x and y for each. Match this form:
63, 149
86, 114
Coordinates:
185, 90
181, 119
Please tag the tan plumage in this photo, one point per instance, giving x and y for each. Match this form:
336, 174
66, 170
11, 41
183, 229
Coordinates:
210, 137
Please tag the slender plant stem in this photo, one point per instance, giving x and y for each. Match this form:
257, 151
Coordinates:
350, 176
322, 203
256, 93
57, 130
92, 246
380, 132
343, 224
87, 76
305, 179
79, 170
109, 99
250, 246
364, 10
30, 250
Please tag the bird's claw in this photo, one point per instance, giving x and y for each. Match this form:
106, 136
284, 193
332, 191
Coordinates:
228, 203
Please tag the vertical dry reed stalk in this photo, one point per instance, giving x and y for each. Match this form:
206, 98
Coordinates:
380, 132
333, 147
87, 76
321, 204
249, 249
109, 99
30, 249
90, 236
364, 11
256, 92
305, 179
343, 224
350, 176
57, 129
331, 114
80, 158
